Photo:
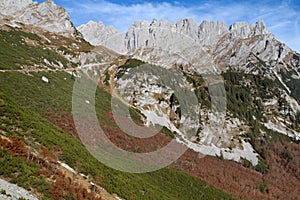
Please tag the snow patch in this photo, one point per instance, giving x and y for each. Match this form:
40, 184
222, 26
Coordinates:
83, 175
67, 167
72, 73
281, 128
279, 78
270, 102
295, 76
293, 103
154, 118
45, 60
246, 151
14, 25
45, 79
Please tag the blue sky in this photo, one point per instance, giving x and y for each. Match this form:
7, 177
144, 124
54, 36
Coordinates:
282, 18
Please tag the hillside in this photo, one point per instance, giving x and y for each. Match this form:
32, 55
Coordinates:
225, 103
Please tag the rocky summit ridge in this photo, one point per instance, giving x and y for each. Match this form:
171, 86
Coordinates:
158, 33
185, 42
46, 15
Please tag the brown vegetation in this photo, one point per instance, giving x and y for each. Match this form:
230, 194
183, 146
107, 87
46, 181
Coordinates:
62, 186
281, 181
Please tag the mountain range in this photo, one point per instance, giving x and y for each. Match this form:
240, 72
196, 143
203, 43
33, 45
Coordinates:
245, 116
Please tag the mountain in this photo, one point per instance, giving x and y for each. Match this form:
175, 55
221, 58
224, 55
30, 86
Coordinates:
228, 96
98, 34
227, 46
143, 34
46, 15
241, 47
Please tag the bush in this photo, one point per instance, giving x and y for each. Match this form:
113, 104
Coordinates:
263, 187
261, 166
2, 191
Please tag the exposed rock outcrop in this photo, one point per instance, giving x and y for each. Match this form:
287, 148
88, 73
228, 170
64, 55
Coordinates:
99, 34
46, 15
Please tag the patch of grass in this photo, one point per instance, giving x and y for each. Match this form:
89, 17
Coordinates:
261, 166
107, 79
15, 52
201, 90
136, 116
263, 187
246, 163
130, 63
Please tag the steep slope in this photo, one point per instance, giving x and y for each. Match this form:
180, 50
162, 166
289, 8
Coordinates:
260, 76
251, 49
37, 130
259, 127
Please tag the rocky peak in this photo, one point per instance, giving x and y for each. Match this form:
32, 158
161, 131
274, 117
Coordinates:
99, 34
240, 30
210, 27
162, 38
98, 28
51, 2
164, 23
210, 32
154, 22
260, 28
244, 30
51, 6
46, 15
161, 35
188, 27
140, 24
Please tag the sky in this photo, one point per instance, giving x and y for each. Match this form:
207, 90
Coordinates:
282, 18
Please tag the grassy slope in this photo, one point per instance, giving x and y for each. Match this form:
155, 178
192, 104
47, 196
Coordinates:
33, 97
15, 52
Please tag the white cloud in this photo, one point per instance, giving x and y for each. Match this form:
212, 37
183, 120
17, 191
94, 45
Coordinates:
281, 18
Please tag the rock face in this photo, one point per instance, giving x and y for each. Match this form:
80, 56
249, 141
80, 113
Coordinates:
162, 35
211, 32
46, 15
99, 34
244, 30
9, 7
185, 33
185, 39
